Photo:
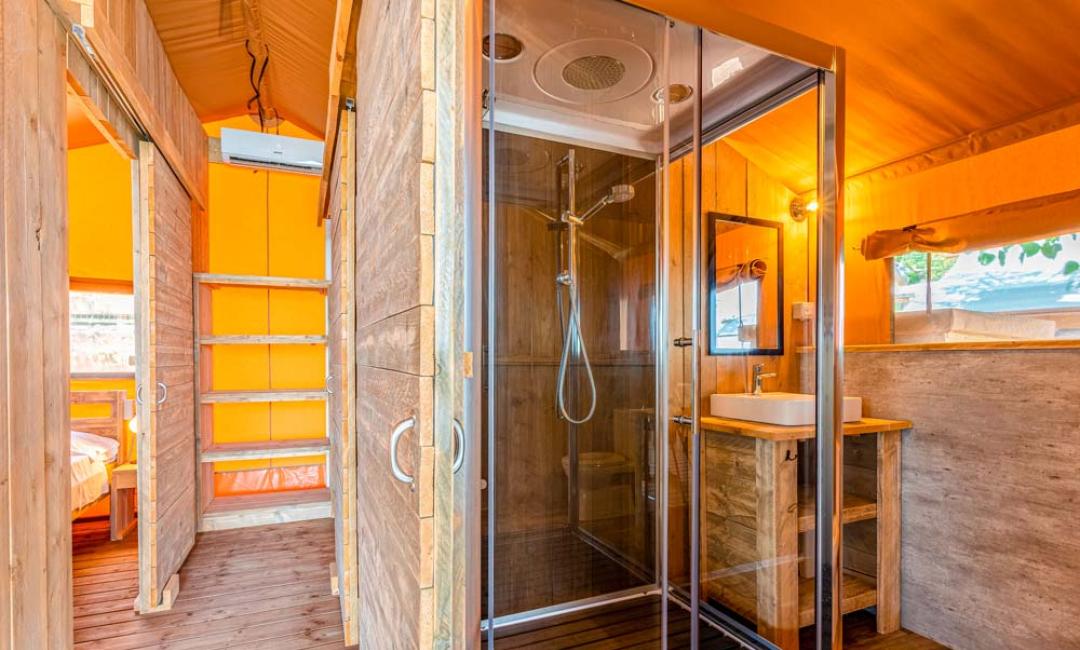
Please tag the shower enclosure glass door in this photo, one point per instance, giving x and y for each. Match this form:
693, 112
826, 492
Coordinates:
570, 242
638, 259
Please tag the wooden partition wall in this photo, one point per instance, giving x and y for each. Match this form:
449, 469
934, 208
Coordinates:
341, 384
35, 490
395, 318
166, 380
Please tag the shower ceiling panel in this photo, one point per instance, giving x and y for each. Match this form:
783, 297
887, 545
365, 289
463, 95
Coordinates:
590, 71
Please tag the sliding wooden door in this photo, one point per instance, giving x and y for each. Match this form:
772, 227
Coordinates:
341, 383
165, 380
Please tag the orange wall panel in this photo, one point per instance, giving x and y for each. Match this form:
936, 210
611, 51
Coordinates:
263, 223
99, 214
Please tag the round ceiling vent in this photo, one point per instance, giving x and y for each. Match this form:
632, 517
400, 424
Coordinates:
593, 70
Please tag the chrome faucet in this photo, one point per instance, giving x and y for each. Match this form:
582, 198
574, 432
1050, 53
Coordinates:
759, 375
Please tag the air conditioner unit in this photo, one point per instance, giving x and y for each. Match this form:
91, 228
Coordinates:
277, 152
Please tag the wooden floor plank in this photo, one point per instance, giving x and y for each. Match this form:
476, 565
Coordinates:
266, 587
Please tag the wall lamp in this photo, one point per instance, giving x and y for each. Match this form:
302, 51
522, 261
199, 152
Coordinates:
800, 209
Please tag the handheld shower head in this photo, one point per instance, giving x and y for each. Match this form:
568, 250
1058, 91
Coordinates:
618, 194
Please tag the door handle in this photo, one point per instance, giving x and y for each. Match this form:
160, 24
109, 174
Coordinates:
164, 393
329, 381
395, 438
459, 455
138, 394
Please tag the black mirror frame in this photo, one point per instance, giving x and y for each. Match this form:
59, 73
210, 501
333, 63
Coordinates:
711, 271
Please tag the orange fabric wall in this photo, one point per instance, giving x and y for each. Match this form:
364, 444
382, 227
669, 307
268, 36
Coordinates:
264, 223
1031, 168
99, 209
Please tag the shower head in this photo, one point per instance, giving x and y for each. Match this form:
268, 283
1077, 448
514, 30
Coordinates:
621, 193
618, 194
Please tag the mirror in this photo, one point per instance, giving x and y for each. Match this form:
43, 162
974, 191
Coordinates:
746, 285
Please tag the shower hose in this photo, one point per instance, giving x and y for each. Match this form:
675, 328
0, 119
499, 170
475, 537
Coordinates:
572, 332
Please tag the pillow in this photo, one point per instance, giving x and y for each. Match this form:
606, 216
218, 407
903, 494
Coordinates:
97, 447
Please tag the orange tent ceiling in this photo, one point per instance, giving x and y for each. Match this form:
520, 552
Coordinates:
204, 40
921, 73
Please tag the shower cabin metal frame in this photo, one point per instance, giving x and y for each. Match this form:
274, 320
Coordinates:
827, 76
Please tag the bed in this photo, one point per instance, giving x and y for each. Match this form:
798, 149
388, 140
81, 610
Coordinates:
98, 449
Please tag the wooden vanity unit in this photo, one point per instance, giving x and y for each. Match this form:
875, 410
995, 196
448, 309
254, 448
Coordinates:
758, 522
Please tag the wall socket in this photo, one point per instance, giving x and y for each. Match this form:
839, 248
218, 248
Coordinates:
802, 310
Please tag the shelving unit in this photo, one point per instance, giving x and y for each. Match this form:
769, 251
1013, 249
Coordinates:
238, 511
760, 507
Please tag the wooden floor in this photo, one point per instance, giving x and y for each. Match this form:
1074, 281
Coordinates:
265, 587
636, 624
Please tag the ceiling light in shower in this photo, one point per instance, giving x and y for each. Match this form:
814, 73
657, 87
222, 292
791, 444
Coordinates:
726, 70
507, 47
677, 94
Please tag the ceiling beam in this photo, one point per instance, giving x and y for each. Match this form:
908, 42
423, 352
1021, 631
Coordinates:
342, 86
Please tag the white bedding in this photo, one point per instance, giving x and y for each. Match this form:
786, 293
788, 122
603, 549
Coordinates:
90, 455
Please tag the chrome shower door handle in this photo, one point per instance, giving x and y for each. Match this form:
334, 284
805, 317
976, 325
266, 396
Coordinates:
395, 438
459, 455
329, 386
164, 393
138, 394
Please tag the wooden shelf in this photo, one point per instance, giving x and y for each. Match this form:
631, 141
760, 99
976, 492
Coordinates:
241, 511
857, 592
263, 339
247, 396
856, 508
265, 449
266, 281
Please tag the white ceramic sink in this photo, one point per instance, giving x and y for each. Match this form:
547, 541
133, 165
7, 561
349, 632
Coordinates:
791, 409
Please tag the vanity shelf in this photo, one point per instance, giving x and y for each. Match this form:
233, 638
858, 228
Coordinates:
858, 592
758, 509
856, 508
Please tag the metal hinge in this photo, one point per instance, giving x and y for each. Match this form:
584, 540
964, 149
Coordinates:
683, 342
682, 419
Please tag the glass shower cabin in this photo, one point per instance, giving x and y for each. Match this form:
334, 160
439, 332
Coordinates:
637, 260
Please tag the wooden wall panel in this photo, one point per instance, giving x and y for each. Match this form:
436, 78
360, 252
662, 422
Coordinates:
732, 185
35, 529
393, 288
167, 508
991, 491
342, 349
127, 46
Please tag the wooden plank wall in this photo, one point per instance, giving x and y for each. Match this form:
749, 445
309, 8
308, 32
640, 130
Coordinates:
395, 317
730, 184
341, 405
99, 103
127, 45
167, 451
991, 491
35, 496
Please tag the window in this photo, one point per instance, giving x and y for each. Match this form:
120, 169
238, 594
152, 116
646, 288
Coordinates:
1015, 292
736, 315
102, 332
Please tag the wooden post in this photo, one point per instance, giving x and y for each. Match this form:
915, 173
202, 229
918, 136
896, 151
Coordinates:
778, 542
888, 532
